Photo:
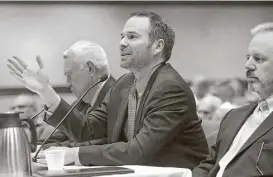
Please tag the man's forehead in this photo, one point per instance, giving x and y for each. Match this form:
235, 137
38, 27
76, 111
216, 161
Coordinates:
67, 53
262, 42
137, 25
70, 57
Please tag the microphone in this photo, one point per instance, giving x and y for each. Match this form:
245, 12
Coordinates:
102, 79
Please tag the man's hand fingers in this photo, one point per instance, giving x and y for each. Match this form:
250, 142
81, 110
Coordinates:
14, 71
40, 62
17, 66
21, 62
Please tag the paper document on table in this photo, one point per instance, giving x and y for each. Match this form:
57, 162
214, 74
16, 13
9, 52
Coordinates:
82, 171
143, 171
73, 167
150, 171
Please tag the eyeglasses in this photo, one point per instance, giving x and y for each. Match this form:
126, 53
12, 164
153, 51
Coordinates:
257, 167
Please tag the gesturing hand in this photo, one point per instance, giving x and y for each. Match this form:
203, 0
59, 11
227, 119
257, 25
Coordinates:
34, 80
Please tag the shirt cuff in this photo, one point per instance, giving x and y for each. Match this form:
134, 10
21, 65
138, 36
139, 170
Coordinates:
49, 96
50, 110
77, 159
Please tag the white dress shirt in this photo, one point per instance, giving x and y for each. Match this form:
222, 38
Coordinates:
250, 125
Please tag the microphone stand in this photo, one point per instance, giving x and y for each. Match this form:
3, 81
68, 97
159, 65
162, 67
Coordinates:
103, 78
34, 116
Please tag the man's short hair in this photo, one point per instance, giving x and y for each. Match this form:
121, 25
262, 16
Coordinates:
263, 27
92, 52
159, 29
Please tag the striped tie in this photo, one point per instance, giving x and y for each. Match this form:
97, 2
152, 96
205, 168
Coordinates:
263, 107
132, 106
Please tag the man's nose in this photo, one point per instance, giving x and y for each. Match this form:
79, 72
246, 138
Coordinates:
250, 64
123, 43
68, 81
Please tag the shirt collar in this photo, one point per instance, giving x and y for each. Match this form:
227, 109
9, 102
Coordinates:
142, 81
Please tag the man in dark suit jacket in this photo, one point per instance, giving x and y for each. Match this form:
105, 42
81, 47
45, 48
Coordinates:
84, 108
244, 144
148, 116
84, 62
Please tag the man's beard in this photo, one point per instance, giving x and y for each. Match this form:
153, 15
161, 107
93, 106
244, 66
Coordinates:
261, 87
127, 64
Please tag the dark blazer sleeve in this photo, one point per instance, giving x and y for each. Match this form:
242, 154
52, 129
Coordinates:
71, 143
81, 127
203, 169
167, 110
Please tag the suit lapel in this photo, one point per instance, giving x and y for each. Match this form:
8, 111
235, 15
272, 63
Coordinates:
139, 114
260, 131
124, 94
237, 121
104, 91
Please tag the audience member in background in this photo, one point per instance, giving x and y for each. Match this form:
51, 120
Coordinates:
207, 106
84, 63
149, 115
200, 87
27, 104
226, 93
245, 138
239, 86
206, 109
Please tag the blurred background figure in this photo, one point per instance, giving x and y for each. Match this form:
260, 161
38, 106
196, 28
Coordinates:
206, 109
207, 106
223, 90
200, 86
27, 104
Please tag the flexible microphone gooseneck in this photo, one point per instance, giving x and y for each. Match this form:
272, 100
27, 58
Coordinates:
102, 79
34, 116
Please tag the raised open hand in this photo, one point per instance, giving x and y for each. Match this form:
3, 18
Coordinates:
34, 80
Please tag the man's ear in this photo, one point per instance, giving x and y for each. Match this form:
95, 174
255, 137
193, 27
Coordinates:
159, 45
91, 67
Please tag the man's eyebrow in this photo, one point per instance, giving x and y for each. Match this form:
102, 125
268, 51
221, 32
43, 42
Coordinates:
129, 32
133, 32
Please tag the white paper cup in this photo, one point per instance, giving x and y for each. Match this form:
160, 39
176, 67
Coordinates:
55, 159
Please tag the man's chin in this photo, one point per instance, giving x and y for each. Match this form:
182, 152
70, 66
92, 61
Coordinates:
254, 87
124, 65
